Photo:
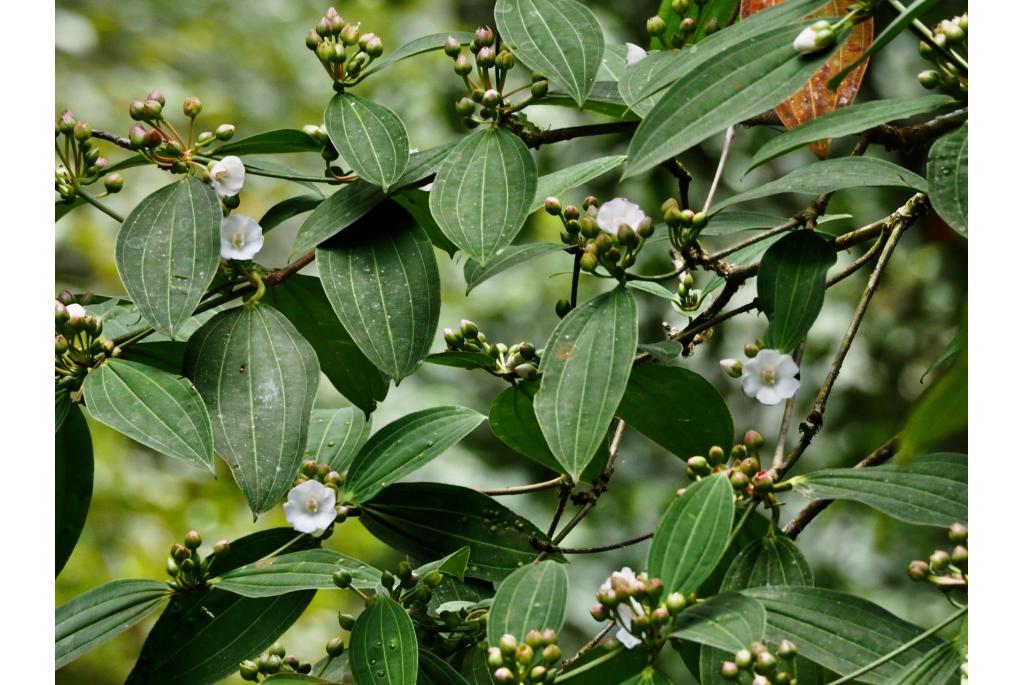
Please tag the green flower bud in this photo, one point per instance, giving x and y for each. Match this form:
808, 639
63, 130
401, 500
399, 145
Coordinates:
681, 7
483, 37
743, 658
508, 644
276, 649
524, 654
534, 639
312, 39
172, 567
464, 106
660, 616
929, 79
958, 534
325, 52
700, 220
551, 654
675, 602
552, 206
939, 560
152, 109
224, 132
432, 579
192, 107
687, 26
386, 579
539, 89
231, 201
113, 183
750, 350
350, 35
372, 45
503, 675
205, 138
716, 455
248, 670
526, 371
758, 647
588, 261
656, 26
787, 650
491, 98
462, 66
66, 122
782, 678
193, 540
452, 47
187, 567
562, 308
469, 329
158, 96
699, 465
323, 28
505, 60
538, 673
403, 570
494, 657
762, 482
764, 662
346, 621
343, 579
179, 552
739, 480
627, 236
336, 647
729, 670
485, 57
137, 136
221, 546
959, 555
645, 229
760, 680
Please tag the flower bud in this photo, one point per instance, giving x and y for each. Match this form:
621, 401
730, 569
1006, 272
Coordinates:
452, 47
507, 644
787, 650
731, 367
494, 657
743, 658
325, 51
483, 37
764, 662
959, 555
712, 26
463, 66
505, 60
152, 139
539, 89
762, 482
66, 122
492, 98
179, 552
526, 371
656, 26
699, 465
113, 183
350, 35
371, 44
346, 621
224, 131
760, 680
659, 616
503, 675
152, 109
343, 579
750, 350
939, 560
336, 647
137, 136
82, 131
681, 7
729, 670
158, 96
469, 329
626, 235
552, 206
192, 107
687, 26
928, 79
645, 229
958, 534
538, 673
313, 39
562, 308
917, 570
753, 440
524, 654
739, 480
221, 546
675, 602
193, 540
249, 671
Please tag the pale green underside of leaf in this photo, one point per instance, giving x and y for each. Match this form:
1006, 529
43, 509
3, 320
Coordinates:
369, 136
791, 283
383, 649
531, 598
168, 250
310, 569
335, 435
510, 257
278, 141
947, 177
561, 39
159, 409
584, 374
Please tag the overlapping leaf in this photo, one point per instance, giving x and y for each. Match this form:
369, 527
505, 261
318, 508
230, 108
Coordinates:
369, 136
310, 569
947, 178
335, 436
531, 598
383, 648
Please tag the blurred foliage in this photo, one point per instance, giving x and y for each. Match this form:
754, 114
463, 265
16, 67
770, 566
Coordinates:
248, 64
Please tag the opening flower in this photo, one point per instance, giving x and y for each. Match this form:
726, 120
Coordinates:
240, 237
614, 213
227, 176
770, 377
622, 582
75, 311
815, 37
634, 53
310, 507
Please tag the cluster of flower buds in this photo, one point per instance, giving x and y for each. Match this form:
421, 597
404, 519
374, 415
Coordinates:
311, 470
331, 39
77, 342
742, 466
491, 62
161, 143
950, 36
529, 661
81, 163
186, 567
637, 605
685, 10
947, 570
684, 225
765, 667
270, 662
609, 234
520, 360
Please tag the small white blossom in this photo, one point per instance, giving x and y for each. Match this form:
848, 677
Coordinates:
614, 213
310, 507
731, 367
815, 37
75, 311
770, 377
634, 53
240, 237
626, 610
227, 176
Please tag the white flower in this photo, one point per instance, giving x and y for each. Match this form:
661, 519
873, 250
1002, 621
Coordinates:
634, 53
75, 311
815, 37
227, 176
622, 579
240, 237
770, 377
731, 367
310, 507
619, 211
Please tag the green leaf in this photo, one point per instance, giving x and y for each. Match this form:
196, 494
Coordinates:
383, 645
463, 592
435, 671
663, 351
462, 359
772, 560
940, 412
601, 666
294, 679
531, 598
791, 285
121, 319
201, 636
652, 288
286, 209
335, 435
483, 192
430, 520
310, 569
937, 667
846, 121
510, 257
677, 409
839, 631
721, 88
159, 409
560, 182
370, 138
62, 405
559, 38
604, 99
700, 12
648, 677
584, 375
302, 300
725, 223
947, 178
258, 377
905, 18
417, 203
72, 487
278, 141
728, 621
61, 208
833, 174
452, 565
405, 445
953, 349
382, 280
417, 46
932, 491
692, 535
168, 251
92, 618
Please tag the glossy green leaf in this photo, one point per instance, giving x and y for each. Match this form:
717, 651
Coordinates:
201, 636
947, 178
369, 136
335, 436
652, 288
405, 445
725, 223
417, 46
453, 565
791, 285
719, 89
168, 251
604, 99
584, 374
466, 592
940, 412
431, 520
557, 183
383, 650
677, 409
286, 209
435, 671
159, 409
937, 667
833, 174
531, 598
728, 621
510, 257
278, 141
381, 278
258, 377
483, 192
303, 301
772, 560
953, 349
309, 569
165, 355
692, 535
72, 483
561, 39
840, 631
121, 319
932, 491
601, 666
95, 616
417, 203
648, 677
846, 121
663, 351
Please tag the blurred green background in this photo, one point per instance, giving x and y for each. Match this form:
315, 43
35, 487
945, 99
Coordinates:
248, 64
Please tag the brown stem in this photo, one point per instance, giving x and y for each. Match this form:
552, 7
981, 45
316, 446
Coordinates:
593, 642
523, 489
535, 137
554, 549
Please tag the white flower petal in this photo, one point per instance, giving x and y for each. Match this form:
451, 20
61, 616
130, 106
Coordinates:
75, 310
750, 382
297, 508
634, 53
227, 176
619, 211
240, 237
805, 43
626, 638
768, 358
787, 387
769, 395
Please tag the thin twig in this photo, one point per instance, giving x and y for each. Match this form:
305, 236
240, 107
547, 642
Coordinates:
563, 498
781, 228
729, 133
99, 205
555, 549
535, 137
594, 642
523, 489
